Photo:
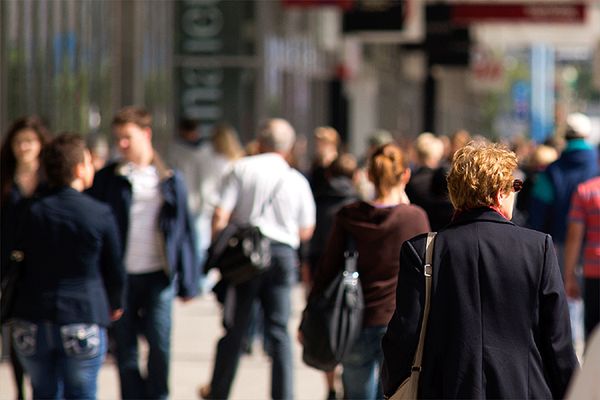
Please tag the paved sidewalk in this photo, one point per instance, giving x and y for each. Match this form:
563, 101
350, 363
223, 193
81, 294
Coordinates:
197, 327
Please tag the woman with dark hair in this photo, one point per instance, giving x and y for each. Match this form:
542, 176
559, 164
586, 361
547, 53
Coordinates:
378, 228
20, 179
498, 324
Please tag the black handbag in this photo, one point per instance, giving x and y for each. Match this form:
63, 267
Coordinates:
241, 251
332, 319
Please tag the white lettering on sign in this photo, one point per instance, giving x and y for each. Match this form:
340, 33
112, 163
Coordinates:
202, 24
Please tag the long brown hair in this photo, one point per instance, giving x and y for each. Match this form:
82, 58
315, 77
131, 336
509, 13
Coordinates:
8, 161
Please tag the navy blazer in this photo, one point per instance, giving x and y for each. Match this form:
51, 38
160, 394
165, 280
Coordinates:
112, 187
73, 271
499, 322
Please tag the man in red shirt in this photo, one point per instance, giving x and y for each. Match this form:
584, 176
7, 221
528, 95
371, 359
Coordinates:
584, 226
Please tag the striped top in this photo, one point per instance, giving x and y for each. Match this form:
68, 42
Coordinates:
585, 209
145, 244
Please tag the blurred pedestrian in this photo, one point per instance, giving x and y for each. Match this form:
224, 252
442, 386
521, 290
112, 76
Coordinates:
327, 141
288, 220
378, 227
365, 187
538, 162
551, 198
420, 189
99, 149
554, 187
72, 280
583, 231
155, 229
21, 178
336, 191
498, 325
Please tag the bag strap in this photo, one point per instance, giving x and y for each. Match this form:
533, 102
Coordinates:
272, 196
427, 271
350, 254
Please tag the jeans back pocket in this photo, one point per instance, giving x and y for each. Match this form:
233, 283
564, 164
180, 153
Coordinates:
81, 340
24, 336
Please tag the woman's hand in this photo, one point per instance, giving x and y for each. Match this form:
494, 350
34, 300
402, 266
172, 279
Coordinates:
572, 287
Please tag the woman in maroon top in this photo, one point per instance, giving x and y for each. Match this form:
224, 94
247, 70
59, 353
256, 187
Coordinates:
379, 227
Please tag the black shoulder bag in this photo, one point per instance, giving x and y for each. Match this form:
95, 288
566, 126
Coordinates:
332, 319
241, 251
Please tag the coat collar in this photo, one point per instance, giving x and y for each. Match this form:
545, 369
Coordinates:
479, 214
164, 172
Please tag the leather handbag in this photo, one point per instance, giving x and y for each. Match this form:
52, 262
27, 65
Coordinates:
241, 251
244, 252
409, 388
332, 319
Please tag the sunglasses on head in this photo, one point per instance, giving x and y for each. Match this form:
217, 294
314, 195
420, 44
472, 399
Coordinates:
517, 185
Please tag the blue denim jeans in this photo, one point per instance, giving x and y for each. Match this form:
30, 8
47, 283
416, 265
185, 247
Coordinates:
362, 366
272, 289
63, 361
147, 312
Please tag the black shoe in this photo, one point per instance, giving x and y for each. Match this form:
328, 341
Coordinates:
332, 395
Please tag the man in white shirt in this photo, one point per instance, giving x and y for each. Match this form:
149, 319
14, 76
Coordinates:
263, 191
150, 204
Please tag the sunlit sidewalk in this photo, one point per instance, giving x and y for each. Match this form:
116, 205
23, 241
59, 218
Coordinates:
197, 327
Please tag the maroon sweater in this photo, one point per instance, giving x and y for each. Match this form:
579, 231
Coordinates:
379, 233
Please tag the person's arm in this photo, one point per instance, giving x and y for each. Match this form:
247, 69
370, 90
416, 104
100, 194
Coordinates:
399, 343
306, 233
573, 242
554, 338
228, 198
220, 219
113, 270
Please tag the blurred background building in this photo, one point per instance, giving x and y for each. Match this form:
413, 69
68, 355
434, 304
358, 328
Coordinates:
500, 68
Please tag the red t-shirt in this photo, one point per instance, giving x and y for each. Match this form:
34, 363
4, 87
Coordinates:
585, 209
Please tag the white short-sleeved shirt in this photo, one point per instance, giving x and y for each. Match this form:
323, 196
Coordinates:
249, 185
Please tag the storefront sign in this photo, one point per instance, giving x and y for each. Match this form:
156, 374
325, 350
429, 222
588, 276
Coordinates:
545, 12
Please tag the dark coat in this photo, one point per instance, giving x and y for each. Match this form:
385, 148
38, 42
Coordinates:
73, 271
339, 192
113, 188
499, 322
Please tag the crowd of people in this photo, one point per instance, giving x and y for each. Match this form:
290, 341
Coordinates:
104, 245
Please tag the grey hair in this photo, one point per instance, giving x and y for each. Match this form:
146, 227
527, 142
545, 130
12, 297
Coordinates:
277, 134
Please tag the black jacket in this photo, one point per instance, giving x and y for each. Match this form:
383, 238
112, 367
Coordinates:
72, 270
339, 192
113, 188
499, 323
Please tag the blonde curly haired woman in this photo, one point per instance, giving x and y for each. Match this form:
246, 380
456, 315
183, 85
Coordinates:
498, 326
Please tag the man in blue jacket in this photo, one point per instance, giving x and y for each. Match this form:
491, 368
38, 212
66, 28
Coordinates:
150, 204
551, 197
552, 192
